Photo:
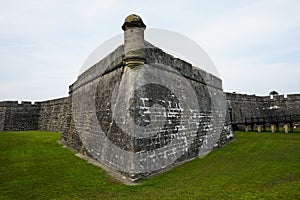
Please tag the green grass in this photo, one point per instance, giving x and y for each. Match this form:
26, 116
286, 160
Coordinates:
254, 166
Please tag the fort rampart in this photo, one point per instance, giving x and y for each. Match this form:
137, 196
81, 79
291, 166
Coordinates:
55, 115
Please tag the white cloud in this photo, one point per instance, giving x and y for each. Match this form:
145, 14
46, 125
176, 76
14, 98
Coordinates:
254, 43
43, 44
260, 79
254, 25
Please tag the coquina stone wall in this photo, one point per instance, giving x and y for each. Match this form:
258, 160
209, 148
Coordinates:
164, 99
16, 116
246, 106
52, 115
55, 115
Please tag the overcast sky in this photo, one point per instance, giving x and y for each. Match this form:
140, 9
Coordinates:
255, 45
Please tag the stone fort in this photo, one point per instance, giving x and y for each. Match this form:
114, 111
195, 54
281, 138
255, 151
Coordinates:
122, 114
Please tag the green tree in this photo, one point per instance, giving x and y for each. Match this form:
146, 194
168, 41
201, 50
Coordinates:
273, 92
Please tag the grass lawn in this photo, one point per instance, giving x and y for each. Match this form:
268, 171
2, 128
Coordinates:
254, 166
